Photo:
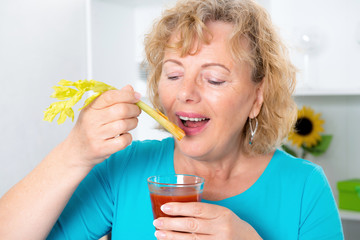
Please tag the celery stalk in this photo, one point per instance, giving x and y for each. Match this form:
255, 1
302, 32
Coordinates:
71, 96
160, 118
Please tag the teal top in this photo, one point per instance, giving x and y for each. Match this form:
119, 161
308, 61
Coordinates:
292, 198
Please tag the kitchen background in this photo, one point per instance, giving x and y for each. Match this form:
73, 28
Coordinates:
42, 42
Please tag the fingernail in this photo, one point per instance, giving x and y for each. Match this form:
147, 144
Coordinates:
165, 208
159, 234
157, 223
137, 95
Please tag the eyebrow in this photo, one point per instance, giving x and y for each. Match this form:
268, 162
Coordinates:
215, 64
203, 66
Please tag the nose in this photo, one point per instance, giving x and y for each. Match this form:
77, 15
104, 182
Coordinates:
189, 91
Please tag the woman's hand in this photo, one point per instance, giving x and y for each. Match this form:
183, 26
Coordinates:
201, 221
103, 127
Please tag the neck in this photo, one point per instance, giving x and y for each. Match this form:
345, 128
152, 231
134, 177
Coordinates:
219, 167
225, 176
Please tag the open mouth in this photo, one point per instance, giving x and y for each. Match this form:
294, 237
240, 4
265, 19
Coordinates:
193, 122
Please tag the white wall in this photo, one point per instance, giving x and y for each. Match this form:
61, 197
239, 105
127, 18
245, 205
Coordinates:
113, 44
41, 42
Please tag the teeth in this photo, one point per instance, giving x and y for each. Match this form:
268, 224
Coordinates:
192, 119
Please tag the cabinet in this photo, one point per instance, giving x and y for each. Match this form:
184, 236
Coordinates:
323, 91
324, 41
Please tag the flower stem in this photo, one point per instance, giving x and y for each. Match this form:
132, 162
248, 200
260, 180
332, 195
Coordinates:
304, 153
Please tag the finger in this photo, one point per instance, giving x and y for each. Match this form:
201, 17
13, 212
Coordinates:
194, 209
119, 127
185, 224
116, 144
128, 88
118, 112
161, 234
111, 97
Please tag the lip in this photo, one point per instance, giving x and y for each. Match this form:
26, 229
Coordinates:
191, 131
190, 115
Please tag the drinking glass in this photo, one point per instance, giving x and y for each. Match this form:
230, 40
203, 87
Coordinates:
174, 188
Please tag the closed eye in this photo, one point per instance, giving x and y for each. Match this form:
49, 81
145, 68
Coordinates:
216, 82
173, 77
213, 77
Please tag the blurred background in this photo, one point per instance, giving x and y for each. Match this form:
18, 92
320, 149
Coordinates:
42, 42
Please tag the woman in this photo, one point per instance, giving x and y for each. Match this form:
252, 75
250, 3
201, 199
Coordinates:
218, 70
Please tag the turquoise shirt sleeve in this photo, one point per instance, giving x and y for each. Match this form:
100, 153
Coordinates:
88, 215
319, 217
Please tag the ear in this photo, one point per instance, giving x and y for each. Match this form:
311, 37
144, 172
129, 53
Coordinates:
259, 99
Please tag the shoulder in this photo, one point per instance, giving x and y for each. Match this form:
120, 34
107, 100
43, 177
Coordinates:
297, 172
303, 180
287, 163
305, 190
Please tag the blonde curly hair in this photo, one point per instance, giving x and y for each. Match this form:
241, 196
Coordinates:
268, 58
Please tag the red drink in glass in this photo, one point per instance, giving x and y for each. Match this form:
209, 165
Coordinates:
174, 188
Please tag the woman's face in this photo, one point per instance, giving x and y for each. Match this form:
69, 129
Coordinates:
209, 96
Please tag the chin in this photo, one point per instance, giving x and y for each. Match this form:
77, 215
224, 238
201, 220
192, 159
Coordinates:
192, 149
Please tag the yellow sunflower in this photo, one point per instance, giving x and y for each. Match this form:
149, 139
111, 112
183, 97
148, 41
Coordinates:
307, 128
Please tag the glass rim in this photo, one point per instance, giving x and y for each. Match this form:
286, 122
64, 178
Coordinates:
202, 180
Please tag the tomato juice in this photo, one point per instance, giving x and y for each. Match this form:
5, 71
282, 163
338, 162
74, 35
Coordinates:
173, 194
